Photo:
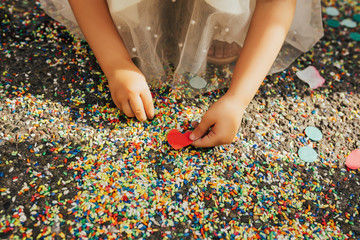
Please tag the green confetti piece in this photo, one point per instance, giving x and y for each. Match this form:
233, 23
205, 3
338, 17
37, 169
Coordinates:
348, 23
331, 11
355, 36
313, 133
333, 23
198, 82
356, 17
307, 154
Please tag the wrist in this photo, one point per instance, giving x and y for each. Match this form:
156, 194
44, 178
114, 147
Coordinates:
112, 66
239, 97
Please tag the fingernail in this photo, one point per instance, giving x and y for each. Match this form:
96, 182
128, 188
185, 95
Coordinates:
192, 137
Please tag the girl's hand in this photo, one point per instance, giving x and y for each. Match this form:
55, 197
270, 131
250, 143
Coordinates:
127, 84
131, 93
220, 123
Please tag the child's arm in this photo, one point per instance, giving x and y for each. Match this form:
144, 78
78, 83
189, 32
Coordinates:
268, 29
127, 84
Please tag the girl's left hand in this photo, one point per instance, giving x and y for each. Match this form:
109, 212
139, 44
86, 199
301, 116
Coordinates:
220, 123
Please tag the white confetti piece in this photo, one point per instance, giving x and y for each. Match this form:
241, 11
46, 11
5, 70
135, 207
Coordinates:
348, 23
311, 76
198, 82
331, 11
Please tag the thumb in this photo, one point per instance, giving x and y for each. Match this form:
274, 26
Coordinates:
201, 129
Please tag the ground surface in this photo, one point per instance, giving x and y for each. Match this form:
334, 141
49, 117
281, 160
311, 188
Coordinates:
70, 166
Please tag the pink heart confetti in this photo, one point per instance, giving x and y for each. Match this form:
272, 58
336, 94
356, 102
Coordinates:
178, 140
353, 160
311, 76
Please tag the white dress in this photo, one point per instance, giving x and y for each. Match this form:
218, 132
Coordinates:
159, 32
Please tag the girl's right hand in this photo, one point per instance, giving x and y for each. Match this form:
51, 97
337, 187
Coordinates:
131, 94
220, 123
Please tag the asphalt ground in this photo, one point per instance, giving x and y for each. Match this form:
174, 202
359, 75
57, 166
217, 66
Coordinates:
71, 166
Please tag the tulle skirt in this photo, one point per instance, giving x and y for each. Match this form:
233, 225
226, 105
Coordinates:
169, 36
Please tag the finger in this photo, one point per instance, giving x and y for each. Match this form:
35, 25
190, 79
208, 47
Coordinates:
138, 108
214, 137
209, 140
127, 109
148, 104
117, 103
201, 129
194, 124
120, 109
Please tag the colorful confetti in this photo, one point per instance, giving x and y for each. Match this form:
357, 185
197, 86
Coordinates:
73, 167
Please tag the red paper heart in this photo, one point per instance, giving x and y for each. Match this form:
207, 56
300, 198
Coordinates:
178, 140
353, 160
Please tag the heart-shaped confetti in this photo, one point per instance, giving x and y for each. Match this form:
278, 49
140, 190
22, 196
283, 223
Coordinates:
348, 23
307, 154
353, 160
333, 23
331, 11
313, 133
356, 17
355, 36
198, 82
311, 76
178, 140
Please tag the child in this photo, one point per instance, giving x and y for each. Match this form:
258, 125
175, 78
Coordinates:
264, 36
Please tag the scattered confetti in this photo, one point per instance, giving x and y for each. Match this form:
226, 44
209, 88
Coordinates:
73, 167
311, 76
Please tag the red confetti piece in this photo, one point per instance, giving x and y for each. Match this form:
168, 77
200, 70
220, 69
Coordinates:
178, 140
353, 160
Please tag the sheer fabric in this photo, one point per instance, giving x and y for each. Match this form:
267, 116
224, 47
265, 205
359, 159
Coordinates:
162, 32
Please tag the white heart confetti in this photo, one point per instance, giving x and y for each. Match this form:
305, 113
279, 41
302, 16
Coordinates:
198, 82
311, 76
348, 23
